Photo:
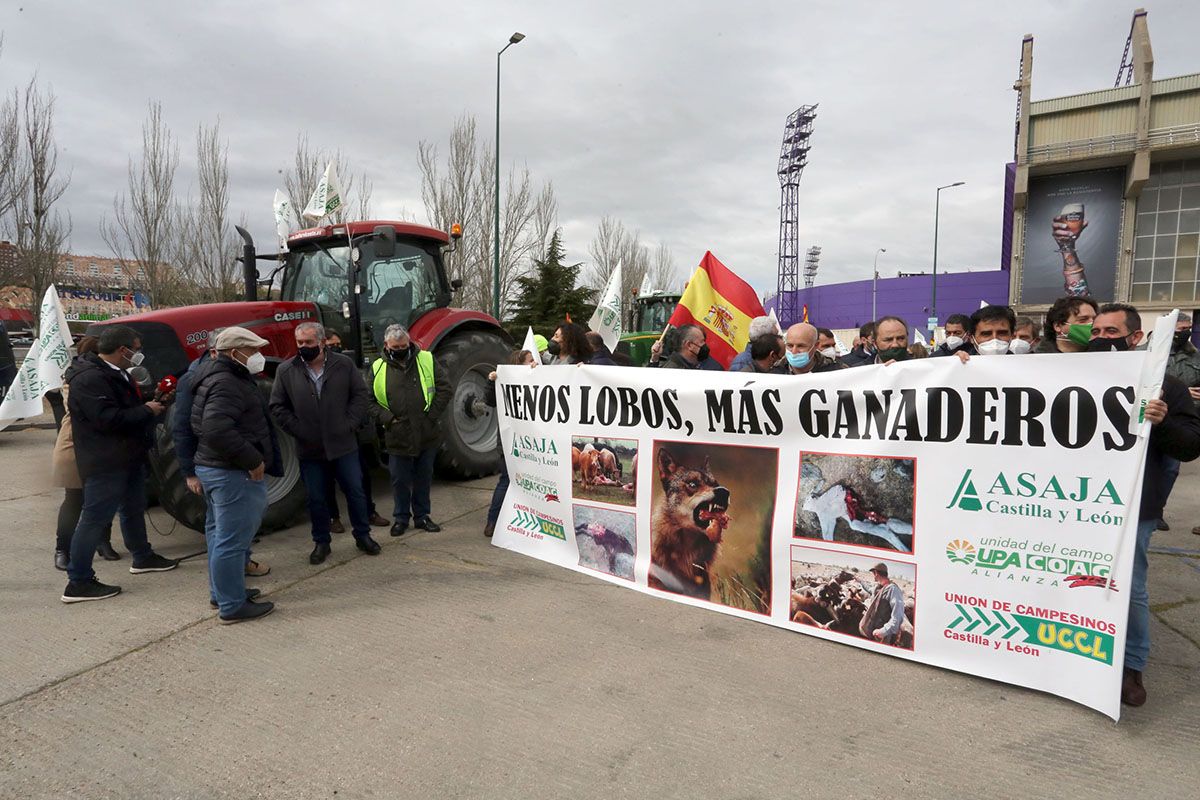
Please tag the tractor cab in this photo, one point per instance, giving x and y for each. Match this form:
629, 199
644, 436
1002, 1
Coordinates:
651, 313
398, 277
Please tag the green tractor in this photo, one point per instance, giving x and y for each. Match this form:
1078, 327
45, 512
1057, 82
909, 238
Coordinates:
650, 314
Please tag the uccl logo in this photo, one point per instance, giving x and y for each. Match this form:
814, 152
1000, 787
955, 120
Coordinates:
1028, 494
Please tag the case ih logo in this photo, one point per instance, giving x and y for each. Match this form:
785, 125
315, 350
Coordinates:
289, 316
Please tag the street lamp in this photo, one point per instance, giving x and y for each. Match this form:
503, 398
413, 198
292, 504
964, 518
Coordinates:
516, 37
937, 208
875, 283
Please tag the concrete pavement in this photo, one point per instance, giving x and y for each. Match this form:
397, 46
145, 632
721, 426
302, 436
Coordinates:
449, 668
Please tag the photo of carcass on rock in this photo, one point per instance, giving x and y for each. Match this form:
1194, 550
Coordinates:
859, 500
604, 469
710, 524
607, 539
855, 596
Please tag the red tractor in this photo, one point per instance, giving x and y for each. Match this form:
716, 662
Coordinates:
355, 279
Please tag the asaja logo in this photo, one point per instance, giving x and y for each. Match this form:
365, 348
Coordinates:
538, 449
960, 551
1027, 494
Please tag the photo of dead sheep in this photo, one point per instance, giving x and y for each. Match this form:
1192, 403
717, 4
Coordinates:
604, 469
607, 539
854, 595
860, 500
712, 508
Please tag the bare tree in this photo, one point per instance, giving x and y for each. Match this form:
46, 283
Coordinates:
613, 244
308, 165
664, 275
205, 244
465, 193
145, 221
39, 230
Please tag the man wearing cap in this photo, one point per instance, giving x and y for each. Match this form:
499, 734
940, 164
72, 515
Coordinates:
885, 614
234, 453
410, 395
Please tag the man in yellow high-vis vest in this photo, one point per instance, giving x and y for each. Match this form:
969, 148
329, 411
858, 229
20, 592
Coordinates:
410, 394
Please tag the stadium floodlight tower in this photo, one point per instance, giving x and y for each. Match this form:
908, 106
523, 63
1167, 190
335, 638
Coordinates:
812, 259
793, 157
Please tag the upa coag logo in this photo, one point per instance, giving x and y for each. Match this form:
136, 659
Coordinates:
539, 487
1032, 561
537, 449
1076, 498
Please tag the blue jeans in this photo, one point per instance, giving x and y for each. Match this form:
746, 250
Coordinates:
1170, 475
235, 507
1137, 635
348, 472
412, 478
103, 495
498, 495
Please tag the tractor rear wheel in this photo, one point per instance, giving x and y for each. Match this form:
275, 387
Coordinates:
285, 495
469, 427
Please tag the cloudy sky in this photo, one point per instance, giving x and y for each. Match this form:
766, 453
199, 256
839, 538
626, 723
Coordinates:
666, 115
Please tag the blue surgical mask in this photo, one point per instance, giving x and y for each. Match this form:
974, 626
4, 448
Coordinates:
798, 360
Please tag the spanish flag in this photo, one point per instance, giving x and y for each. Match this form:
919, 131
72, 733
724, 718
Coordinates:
723, 304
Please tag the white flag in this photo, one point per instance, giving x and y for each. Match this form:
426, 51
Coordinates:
840, 346
775, 319
1151, 380
285, 217
920, 339
43, 367
645, 288
327, 198
983, 303
606, 319
530, 344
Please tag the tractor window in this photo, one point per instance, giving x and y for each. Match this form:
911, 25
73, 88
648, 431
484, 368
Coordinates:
317, 278
401, 288
656, 314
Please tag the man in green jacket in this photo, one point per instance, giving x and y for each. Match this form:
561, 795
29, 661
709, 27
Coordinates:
410, 393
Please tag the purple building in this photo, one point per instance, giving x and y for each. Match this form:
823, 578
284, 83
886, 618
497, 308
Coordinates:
848, 305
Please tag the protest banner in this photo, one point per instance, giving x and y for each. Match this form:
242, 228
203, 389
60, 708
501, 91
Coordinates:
979, 517
44, 365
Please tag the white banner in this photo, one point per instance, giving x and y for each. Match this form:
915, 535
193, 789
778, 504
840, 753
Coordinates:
606, 319
979, 517
326, 198
44, 365
285, 217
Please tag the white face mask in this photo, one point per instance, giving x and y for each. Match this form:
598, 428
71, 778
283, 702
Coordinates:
1018, 347
256, 363
136, 357
993, 347
829, 352
954, 342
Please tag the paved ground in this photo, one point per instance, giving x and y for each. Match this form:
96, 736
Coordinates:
449, 668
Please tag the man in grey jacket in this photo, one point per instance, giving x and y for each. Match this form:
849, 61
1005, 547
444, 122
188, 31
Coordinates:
320, 398
885, 614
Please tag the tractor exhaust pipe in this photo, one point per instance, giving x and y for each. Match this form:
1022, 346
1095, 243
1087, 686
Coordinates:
249, 261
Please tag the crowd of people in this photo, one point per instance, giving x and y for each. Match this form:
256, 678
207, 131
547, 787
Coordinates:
226, 441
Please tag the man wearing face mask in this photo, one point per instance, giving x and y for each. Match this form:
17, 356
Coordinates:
1025, 337
1183, 364
827, 344
112, 428
765, 353
410, 395
991, 330
864, 352
891, 337
957, 337
1174, 434
321, 400
800, 352
759, 326
1068, 326
692, 349
234, 454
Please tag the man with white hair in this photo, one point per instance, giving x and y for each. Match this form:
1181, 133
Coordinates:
320, 399
758, 326
410, 395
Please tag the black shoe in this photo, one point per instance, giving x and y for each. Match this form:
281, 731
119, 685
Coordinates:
1163, 526
250, 595
428, 525
88, 590
378, 521
336, 526
367, 545
61, 560
489, 529
319, 554
249, 610
399, 528
153, 563
105, 551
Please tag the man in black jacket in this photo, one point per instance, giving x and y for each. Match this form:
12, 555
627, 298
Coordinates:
321, 400
1175, 434
112, 427
234, 453
410, 394
958, 328
864, 352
